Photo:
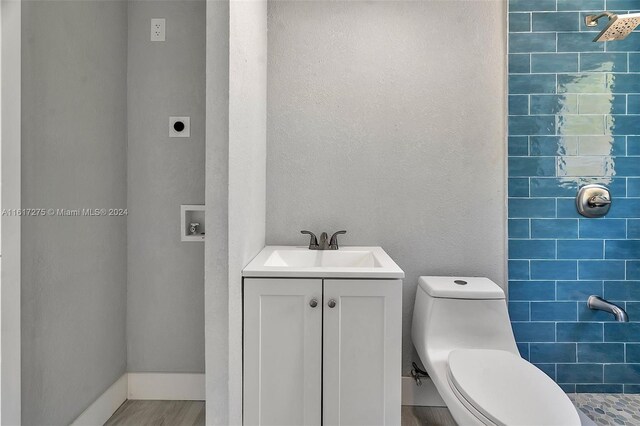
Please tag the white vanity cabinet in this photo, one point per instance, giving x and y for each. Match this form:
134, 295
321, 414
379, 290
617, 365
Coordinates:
322, 351
361, 352
282, 375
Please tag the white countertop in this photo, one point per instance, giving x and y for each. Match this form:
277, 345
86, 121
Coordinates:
300, 262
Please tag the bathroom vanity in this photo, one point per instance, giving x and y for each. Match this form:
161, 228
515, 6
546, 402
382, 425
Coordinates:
322, 337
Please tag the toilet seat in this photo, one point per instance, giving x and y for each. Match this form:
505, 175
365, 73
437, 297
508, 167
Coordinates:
501, 388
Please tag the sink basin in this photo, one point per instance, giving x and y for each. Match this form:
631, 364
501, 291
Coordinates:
323, 258
347, 262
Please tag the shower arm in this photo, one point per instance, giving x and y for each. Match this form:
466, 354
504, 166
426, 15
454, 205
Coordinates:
592, 20
599, 304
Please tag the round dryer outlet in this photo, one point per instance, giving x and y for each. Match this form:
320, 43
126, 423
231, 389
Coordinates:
179, 127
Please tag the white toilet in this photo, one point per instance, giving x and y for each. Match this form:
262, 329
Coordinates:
463, 336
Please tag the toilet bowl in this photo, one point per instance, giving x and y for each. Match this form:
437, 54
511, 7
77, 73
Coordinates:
463, 336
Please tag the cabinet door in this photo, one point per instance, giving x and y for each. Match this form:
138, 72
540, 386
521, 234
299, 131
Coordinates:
362, 352
282, 352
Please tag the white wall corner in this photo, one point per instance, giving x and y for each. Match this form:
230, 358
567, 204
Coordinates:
106, 404
426, 395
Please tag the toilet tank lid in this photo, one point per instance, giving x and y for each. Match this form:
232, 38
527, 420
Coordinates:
461, 288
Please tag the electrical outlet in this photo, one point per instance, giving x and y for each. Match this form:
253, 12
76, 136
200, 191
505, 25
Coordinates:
158, 29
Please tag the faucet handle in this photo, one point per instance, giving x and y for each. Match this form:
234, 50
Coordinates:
333, 243
598, 201
313, 241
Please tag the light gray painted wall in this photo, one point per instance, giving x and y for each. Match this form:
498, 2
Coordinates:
10, 289
247, 166
236, 162
387, 119
73, 156
165, 308
216, 293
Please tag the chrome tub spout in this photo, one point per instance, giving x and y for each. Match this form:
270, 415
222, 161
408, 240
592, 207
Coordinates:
599, 304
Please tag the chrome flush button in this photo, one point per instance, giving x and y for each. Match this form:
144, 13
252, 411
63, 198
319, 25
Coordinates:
593, 200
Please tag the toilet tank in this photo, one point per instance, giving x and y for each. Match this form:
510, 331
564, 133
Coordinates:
460, 312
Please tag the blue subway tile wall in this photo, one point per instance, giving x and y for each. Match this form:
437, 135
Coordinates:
574, 119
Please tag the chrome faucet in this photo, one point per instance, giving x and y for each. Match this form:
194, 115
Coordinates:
599, 304
332, 243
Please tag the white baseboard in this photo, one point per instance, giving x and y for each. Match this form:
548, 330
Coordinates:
170, 386
167, 386
184, 386
426, 395
106, 404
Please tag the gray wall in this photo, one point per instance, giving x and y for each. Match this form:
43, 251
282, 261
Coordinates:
247, 166
165, 308
387, 119
216, 251
10, 52
73, 156
235, 174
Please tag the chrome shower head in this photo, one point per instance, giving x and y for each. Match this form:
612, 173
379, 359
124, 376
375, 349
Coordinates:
618, 27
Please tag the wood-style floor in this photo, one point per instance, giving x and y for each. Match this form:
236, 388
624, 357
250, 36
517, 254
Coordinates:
423, 416
158, 413
191, 413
